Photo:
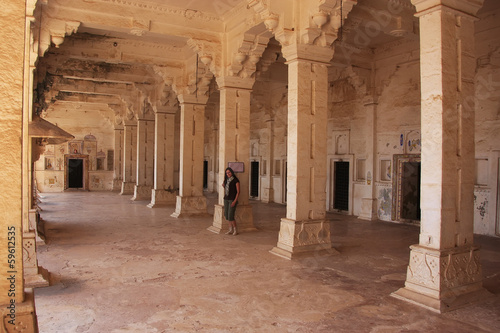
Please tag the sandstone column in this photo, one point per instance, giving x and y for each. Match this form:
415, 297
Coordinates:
164, 190
268, 193
445, 270
118, 159
369, 200
129, 157
191, 199
234, 146
145, 159
304, 229
16, 305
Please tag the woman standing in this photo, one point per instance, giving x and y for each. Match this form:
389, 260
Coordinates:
231, 187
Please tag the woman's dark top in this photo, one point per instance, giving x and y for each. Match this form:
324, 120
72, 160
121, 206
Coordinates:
232, 189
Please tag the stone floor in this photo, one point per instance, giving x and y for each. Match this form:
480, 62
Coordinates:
118, 266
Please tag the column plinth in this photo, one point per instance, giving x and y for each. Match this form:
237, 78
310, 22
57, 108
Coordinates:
303, 238
162, 197
117, 185
243, 217
443, 280
186, 206
142, 192
127, 188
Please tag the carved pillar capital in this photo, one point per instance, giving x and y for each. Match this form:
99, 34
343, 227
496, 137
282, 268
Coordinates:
470, 7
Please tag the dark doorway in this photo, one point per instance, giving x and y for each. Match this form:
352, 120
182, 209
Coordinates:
75, 173
341, 194
254, 178
410, 191
205, 174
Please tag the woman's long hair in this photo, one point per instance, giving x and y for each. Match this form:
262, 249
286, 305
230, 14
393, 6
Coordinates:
225, 174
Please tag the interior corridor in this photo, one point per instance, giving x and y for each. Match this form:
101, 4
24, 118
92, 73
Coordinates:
118, 266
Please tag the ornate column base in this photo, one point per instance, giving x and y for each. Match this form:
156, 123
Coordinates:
127, 188
186, 206
368, 209
34, 276
243, 218
117, 185
20, 317
162, 197
303, 239
443, 280
142, 192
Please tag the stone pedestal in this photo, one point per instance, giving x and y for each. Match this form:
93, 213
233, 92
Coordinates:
368, 209
243, 217
117, 185
142, 192
162, 198
303, 238
128, 188
443, 280
25, 315
34, 276
186, 206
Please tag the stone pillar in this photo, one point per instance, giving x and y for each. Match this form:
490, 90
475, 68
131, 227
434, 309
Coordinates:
145, 159
16, 305
234, 146
164, 191
369, 200
268, 195
304, 230
445, 272
118, 159
129, 157
191, 200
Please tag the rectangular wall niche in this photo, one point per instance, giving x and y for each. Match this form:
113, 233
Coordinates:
481, 171
385, 170
277, 169
361, 169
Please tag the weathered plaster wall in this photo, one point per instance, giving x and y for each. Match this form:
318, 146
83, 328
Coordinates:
79, 122
12, 25
487, 106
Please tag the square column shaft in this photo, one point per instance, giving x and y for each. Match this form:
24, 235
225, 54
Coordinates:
369, 203
444, 272
191, 199
234, 146
304, 230
17, 305
118, 160
164, 189
129, 158
145, 159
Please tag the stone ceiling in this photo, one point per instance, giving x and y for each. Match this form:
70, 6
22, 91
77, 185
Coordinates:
119, 43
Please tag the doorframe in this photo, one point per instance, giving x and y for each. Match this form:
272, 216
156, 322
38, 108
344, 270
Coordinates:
85, 180
330, 181
397, 163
